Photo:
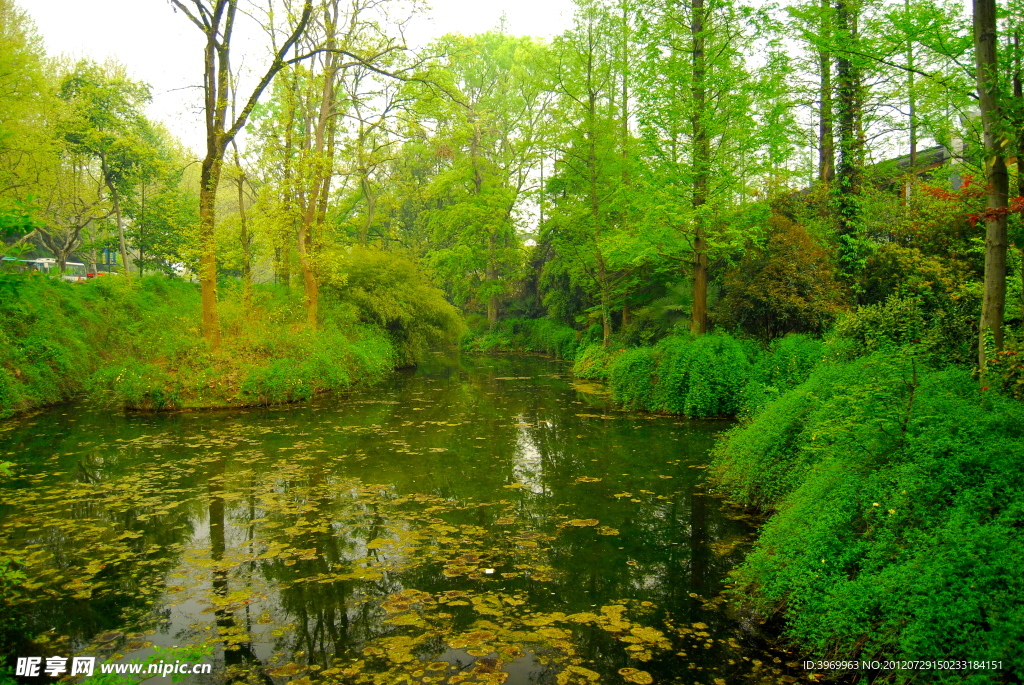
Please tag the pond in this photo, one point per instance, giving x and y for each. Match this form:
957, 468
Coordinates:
482, 520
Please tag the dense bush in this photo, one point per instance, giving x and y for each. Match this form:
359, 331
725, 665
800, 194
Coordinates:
631, 378
592, 363
947, 335
787, 363
899, 505
394, 293
527, 335
702, 376
785, 286
136, 344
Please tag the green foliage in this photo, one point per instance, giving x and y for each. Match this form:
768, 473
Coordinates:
899, 501
593, 362
392, 292
631, 377
134, 344
1007, 368
527, 335
785, 286
788, 362
697, 377
945, 334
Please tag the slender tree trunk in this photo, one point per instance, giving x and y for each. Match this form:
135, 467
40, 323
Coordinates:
116, 198
848, 190
911, 98
826, 139
701, 157
987, 63
243, 237
1018, 96
208, 181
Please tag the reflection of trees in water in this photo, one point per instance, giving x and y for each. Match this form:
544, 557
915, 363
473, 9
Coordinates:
239, 658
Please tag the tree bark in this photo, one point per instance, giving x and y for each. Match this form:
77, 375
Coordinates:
701, 157
826, 139
848, 200
987, 65
209, 179
116, 198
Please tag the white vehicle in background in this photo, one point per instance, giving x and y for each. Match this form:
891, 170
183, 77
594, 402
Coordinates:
73, 271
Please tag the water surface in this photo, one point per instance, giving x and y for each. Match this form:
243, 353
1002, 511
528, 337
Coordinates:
485, 520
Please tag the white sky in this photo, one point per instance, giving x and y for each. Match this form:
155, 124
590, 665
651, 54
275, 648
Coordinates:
164, 49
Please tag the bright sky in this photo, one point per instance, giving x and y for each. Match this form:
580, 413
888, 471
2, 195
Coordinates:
164, 49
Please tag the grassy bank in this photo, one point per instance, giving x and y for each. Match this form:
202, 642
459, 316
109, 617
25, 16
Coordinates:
898, 515
136, 344
711, 376
542, 336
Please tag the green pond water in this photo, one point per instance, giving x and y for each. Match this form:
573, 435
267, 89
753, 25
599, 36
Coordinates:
484, 520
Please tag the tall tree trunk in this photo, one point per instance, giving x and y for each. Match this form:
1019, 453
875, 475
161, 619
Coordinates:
987, 64
701, 157
116, 198
243, 237
826, 139
209, 179
848, 189
911, 97
216, 20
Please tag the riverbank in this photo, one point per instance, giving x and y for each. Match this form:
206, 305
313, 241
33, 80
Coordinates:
888, 477
135, 344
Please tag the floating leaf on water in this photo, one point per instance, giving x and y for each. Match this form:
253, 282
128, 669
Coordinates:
632, 675
607, 530
582, 523
286, 670
587, 479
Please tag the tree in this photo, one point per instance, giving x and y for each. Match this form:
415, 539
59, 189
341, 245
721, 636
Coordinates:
216, 19
487, 126
696, 122
987, 65
104, 121
587, 187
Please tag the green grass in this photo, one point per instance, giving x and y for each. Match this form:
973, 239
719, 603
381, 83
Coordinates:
898, 514
136, 344
543, 336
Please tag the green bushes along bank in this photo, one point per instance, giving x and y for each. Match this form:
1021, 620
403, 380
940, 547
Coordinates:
136, 344
898, 524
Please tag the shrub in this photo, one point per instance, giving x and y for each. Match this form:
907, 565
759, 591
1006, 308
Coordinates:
785, 286
716, 371
946, 335
631, 376
394, 293
899, 507
697, 377
593, 362
787, 363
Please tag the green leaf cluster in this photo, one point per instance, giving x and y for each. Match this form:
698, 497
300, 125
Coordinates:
897, 496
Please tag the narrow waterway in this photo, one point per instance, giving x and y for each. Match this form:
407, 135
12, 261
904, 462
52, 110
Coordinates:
480, 520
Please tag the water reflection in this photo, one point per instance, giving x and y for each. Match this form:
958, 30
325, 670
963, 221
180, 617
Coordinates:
475, 523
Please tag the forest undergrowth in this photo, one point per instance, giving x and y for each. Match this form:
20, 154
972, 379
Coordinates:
134, 343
